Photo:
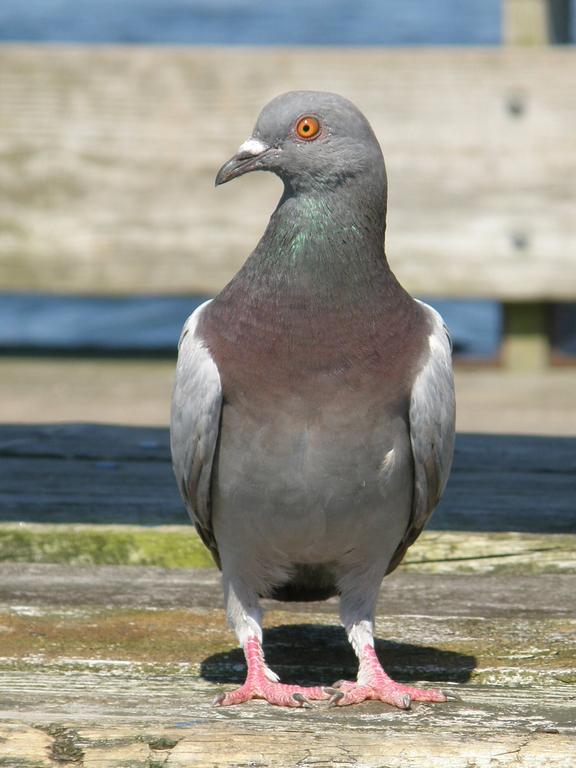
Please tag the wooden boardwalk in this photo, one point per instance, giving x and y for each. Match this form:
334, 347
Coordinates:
137, 392
103, 663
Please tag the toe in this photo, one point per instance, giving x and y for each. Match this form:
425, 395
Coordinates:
312, 693
346, 685
395, 698
396, 695
285, 695
336, 698
302, 700
352, 695
423, 694
239, 696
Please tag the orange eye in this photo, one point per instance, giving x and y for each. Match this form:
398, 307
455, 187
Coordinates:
308, 127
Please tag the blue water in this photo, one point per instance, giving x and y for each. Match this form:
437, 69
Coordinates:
254, 22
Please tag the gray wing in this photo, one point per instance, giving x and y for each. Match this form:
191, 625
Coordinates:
194, 427
432, 418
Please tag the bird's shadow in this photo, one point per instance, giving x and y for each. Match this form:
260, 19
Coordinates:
316, 654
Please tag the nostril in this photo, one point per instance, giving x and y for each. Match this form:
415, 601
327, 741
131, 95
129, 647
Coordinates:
250, 148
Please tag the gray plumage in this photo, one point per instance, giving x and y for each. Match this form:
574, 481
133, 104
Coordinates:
313, 407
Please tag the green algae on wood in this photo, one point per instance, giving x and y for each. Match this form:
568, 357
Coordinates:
65, 746
479, 552
167, 547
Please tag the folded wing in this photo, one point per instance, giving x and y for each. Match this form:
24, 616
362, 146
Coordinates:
432, 421
195, 424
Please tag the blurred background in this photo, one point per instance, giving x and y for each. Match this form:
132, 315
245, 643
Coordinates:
116, 114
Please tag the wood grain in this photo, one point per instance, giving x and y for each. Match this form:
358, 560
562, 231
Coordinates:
137, 392
105, 474
49, 588
108, 157
117, 665
128, 685
290, 745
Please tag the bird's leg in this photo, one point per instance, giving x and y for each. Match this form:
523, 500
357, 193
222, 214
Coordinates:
372, 681
260, 685
261, 682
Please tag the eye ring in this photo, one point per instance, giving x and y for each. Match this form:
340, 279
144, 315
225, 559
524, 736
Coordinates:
308, 127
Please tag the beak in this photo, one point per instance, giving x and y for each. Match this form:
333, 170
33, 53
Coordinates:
245, 160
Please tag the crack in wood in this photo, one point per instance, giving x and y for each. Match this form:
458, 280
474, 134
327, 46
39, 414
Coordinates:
485, 557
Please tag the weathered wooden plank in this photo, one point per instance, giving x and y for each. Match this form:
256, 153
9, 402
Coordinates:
525, 336
521, 403
514, 453
175, 546
127, 678
108, 157
138, 392
172, 546
89, 442
526, 22
439, 551
114, 474
43, 589
193, 648
109, 638
117, 666
114, 391
293, 745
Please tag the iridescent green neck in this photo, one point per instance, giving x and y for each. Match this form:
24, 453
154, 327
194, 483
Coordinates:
330, 226
326, 246
304, 228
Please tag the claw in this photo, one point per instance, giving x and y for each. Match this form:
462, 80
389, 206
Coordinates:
452, 696
302, 700
338, 696
406, 701
217, 700
337, 684
330, 690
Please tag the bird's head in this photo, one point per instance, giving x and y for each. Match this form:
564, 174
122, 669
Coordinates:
313, 141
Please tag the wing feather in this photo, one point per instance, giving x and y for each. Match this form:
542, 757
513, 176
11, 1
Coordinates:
432, 421
195, 425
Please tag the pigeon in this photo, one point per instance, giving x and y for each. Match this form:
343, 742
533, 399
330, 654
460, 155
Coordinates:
312, 422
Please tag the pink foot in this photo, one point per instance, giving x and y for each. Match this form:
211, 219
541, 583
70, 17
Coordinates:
259, 685
374, 683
